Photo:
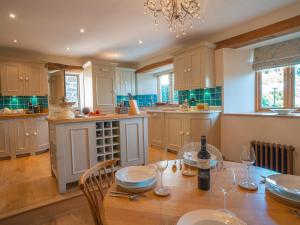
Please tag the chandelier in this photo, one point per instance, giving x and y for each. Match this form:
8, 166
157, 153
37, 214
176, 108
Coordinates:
178, 13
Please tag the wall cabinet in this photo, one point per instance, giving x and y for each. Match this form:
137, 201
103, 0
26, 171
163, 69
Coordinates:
194, 68
23, 136
23, 79
183, 128
132, 149
4, 139
125, 81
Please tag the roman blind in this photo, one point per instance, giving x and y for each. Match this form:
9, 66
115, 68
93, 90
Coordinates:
281, 54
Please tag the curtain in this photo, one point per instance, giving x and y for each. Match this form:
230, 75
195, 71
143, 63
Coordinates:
281, 54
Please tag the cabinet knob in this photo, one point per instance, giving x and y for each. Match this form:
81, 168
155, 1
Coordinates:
26, 78
189, 70
155, 114
187, 133
181, 132
20, 78
184, 70
26, 134
35, 133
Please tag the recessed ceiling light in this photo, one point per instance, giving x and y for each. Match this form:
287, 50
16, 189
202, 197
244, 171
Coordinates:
68, 49
15, 41
11, 15
82, 30
140, 42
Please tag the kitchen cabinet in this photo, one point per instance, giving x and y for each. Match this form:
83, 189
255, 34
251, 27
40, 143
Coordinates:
182, 128
125, 81
4, 139
132, 149
23, 136
156, 129
194, 68
23, 79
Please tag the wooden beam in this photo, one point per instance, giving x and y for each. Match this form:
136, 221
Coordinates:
274, 30
155, 65
57, 66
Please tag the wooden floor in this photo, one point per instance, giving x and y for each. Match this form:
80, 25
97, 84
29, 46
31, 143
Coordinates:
27, 183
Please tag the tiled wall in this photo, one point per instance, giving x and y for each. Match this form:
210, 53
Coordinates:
211, 96
21, 102
142, 100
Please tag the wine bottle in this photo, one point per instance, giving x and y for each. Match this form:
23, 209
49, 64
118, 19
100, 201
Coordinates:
203, 166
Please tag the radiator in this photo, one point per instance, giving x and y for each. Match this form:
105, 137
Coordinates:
274, 156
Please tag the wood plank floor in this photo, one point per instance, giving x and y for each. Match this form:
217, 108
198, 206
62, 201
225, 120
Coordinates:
27, 183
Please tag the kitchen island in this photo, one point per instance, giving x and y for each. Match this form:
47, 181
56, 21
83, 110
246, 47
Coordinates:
78, 144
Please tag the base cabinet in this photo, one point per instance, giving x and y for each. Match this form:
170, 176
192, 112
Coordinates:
156, 129
4, 139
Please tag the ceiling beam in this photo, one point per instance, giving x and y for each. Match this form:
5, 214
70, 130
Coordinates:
154, 65
274, 30
57, 66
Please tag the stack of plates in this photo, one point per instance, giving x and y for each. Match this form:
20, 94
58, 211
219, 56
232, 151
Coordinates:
190, 158
209, 217
285, 188
136, 178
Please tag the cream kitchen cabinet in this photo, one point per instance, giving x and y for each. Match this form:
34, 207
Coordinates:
156, 129
194, 68
174, 131
4, 139
23, 79
132, 142
125, 81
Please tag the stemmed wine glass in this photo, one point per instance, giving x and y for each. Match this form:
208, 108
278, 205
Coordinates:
248, 158
226, 181
161, 166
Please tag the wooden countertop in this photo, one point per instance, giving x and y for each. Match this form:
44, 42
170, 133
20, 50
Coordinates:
96, 118
21, 115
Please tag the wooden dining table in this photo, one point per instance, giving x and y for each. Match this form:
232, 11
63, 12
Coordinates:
253, 207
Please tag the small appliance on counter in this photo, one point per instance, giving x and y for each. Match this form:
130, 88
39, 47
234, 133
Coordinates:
121, 109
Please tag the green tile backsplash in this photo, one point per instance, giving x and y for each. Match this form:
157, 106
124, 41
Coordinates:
21, 102
211, 96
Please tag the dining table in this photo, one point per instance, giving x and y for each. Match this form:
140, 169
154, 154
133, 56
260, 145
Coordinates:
253, 207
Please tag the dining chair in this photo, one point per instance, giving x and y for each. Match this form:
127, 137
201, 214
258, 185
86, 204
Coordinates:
94, 184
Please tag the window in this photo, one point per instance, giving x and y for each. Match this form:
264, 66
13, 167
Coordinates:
278, 88
166, 92
72, 89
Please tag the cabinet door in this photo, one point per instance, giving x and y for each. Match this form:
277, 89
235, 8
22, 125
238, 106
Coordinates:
181, 78
125, 81
20, 136
104, 92
42, 134
80, 149
132, 150
12, 80
34, 79
156, 129
175, 132
4, 145
195, 69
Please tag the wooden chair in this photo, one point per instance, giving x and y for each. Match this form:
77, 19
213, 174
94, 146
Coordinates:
94, 184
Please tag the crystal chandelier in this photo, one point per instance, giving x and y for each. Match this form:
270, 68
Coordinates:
178, 13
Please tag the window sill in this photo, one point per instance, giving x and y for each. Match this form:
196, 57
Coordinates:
267, 114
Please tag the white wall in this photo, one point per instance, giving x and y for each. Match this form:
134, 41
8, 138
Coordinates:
146, 84
238, 81
239, 130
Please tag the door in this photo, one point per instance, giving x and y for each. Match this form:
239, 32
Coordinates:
132, 150
57, 86
12, 79
175, 132
197, 126
156, 129
104, 91
34, 79
41, 133
20, 135
4, 145
181, 78
195, 69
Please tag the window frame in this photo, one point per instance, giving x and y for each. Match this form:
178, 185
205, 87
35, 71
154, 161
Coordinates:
289, 89
77, 75
171, 85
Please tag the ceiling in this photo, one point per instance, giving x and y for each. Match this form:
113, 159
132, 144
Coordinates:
113, 28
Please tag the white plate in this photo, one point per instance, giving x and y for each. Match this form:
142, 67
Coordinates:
191, 159
208, 217
283, 111
136, 174
287, 183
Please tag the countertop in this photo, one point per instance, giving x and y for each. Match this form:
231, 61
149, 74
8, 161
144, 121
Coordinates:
21, 115
183, 112
95, 118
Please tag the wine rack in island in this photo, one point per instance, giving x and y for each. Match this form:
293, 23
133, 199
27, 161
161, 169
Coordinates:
108, 141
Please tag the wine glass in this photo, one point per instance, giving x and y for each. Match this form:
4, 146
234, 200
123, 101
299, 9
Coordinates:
161, 166
248, 158
226, 181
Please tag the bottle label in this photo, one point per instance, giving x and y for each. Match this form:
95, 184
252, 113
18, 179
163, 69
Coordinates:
204, 163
